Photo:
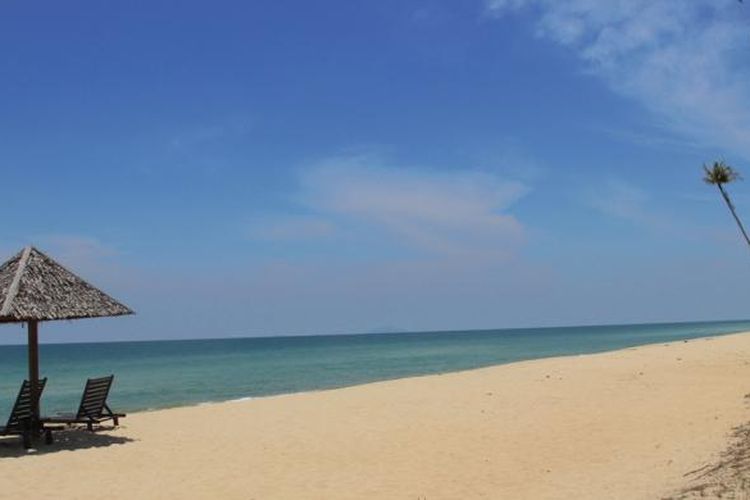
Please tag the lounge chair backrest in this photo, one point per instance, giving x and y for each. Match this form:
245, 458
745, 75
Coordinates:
94, 397
22, 409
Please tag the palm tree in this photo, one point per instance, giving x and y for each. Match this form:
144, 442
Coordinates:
719, 174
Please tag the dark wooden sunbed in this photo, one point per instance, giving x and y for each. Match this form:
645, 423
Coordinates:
93, 408
19, 422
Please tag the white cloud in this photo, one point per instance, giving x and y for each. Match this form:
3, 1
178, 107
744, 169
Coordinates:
687, 62
441, 212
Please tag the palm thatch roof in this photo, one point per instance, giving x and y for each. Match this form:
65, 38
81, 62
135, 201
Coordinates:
33, 287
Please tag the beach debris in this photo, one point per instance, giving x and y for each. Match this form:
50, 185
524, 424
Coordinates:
728, 477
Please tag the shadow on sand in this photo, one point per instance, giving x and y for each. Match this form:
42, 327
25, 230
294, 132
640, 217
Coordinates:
65, 440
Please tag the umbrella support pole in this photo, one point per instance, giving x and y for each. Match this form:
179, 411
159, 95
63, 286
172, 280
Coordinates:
34, 373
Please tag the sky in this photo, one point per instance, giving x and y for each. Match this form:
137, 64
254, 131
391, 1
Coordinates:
285, 167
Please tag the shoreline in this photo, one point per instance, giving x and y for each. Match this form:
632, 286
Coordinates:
439, 374
155, 378
628, 424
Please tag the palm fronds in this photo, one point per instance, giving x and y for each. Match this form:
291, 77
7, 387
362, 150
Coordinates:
720, 173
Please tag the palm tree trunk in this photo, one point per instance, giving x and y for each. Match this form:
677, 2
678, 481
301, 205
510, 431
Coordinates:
734, 213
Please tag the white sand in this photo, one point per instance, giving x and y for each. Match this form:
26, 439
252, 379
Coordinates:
625, 424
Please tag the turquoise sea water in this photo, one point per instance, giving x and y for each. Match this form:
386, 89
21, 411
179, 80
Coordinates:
164, 374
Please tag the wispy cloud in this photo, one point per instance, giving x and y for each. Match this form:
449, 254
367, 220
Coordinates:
684, 61
72, 249
622, 200
434, 211
290, 227
437, 211
78, 248
200, 135
91, 257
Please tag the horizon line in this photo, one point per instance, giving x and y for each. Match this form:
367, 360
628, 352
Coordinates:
362, 334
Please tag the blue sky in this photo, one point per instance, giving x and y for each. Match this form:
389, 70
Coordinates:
267, 168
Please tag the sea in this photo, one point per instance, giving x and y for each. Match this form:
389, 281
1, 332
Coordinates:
163, 374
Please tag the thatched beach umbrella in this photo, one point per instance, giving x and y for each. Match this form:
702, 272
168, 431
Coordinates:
35, 288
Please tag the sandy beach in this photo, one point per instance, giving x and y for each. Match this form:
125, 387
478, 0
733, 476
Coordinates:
623, 424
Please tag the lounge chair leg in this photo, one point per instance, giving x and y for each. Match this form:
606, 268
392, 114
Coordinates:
116, 421
26, 440
48, 439
90, 426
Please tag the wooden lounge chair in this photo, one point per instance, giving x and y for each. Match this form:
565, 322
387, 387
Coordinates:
93, 408
19, 422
